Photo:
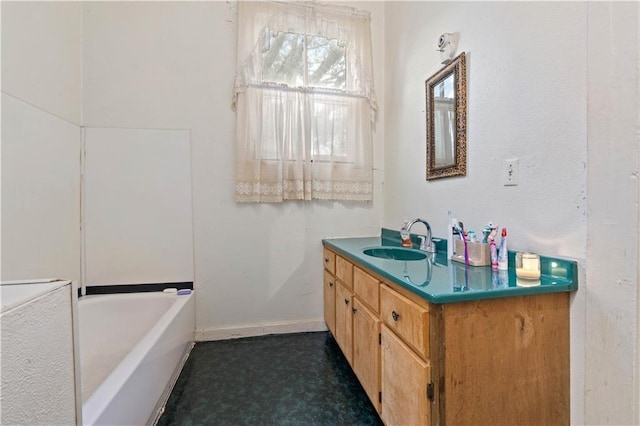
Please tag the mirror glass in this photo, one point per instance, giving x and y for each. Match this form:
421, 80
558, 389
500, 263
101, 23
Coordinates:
446, 121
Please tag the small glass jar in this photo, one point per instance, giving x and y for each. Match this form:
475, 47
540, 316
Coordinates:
527, 266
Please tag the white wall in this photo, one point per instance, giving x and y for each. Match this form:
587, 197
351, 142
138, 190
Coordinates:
526, 99
612, 227
41, 140
172, 65
41, 55
545, 81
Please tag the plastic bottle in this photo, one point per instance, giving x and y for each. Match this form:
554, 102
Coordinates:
405, 237
503, 258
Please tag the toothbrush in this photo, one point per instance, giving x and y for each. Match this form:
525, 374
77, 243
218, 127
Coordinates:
466, 248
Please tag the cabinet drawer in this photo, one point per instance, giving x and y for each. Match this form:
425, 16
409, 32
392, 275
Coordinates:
329, 261
367, 288
405, 318
344, 271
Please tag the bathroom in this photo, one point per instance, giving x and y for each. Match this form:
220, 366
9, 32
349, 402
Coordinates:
553, 84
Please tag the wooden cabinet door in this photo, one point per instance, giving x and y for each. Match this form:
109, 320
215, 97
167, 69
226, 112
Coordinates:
344, 320
366, 350
330, 302
404, 383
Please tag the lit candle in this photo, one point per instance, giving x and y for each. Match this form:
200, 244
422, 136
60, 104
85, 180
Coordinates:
528, 266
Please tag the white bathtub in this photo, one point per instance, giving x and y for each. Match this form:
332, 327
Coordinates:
132, 348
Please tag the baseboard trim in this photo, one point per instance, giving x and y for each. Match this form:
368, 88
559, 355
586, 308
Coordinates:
259, 330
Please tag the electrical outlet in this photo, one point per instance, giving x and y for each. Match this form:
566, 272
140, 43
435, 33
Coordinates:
511, 172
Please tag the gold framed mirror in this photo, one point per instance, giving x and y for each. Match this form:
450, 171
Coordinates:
446, 95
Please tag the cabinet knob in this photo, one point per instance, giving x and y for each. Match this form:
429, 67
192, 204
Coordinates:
354, 310
330, 284
326, 260
346, 301
395, 315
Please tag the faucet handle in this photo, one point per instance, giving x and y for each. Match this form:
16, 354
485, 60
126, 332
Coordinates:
423, 245
429, 247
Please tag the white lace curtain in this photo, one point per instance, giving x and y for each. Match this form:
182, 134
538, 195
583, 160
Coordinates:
305, 103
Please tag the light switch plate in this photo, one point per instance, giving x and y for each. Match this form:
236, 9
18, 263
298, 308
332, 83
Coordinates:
511, 172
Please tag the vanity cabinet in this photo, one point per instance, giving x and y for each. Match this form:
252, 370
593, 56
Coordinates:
499, 361
390, 371
356, 321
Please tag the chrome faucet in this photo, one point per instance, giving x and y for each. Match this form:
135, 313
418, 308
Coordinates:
426, 244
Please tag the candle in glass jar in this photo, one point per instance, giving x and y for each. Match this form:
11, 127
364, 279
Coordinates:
528, 266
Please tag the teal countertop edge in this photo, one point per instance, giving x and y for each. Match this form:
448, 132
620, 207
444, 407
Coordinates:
440, 280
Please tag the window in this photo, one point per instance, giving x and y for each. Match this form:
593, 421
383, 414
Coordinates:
305, 103
299, 60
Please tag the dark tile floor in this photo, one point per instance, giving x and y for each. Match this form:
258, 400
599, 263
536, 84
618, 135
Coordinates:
290, 379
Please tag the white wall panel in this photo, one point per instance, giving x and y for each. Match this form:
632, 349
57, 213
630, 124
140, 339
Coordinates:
138, 213
40, 193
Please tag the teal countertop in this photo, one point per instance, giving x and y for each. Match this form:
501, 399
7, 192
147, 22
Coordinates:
443, 281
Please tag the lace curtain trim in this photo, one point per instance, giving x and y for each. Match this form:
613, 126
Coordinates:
271, 192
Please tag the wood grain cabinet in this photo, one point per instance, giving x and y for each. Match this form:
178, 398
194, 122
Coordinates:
366, 350
405, 382
329, 294
329, 261
501, 361
408, 319
406, 369
366, 333
344, 320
